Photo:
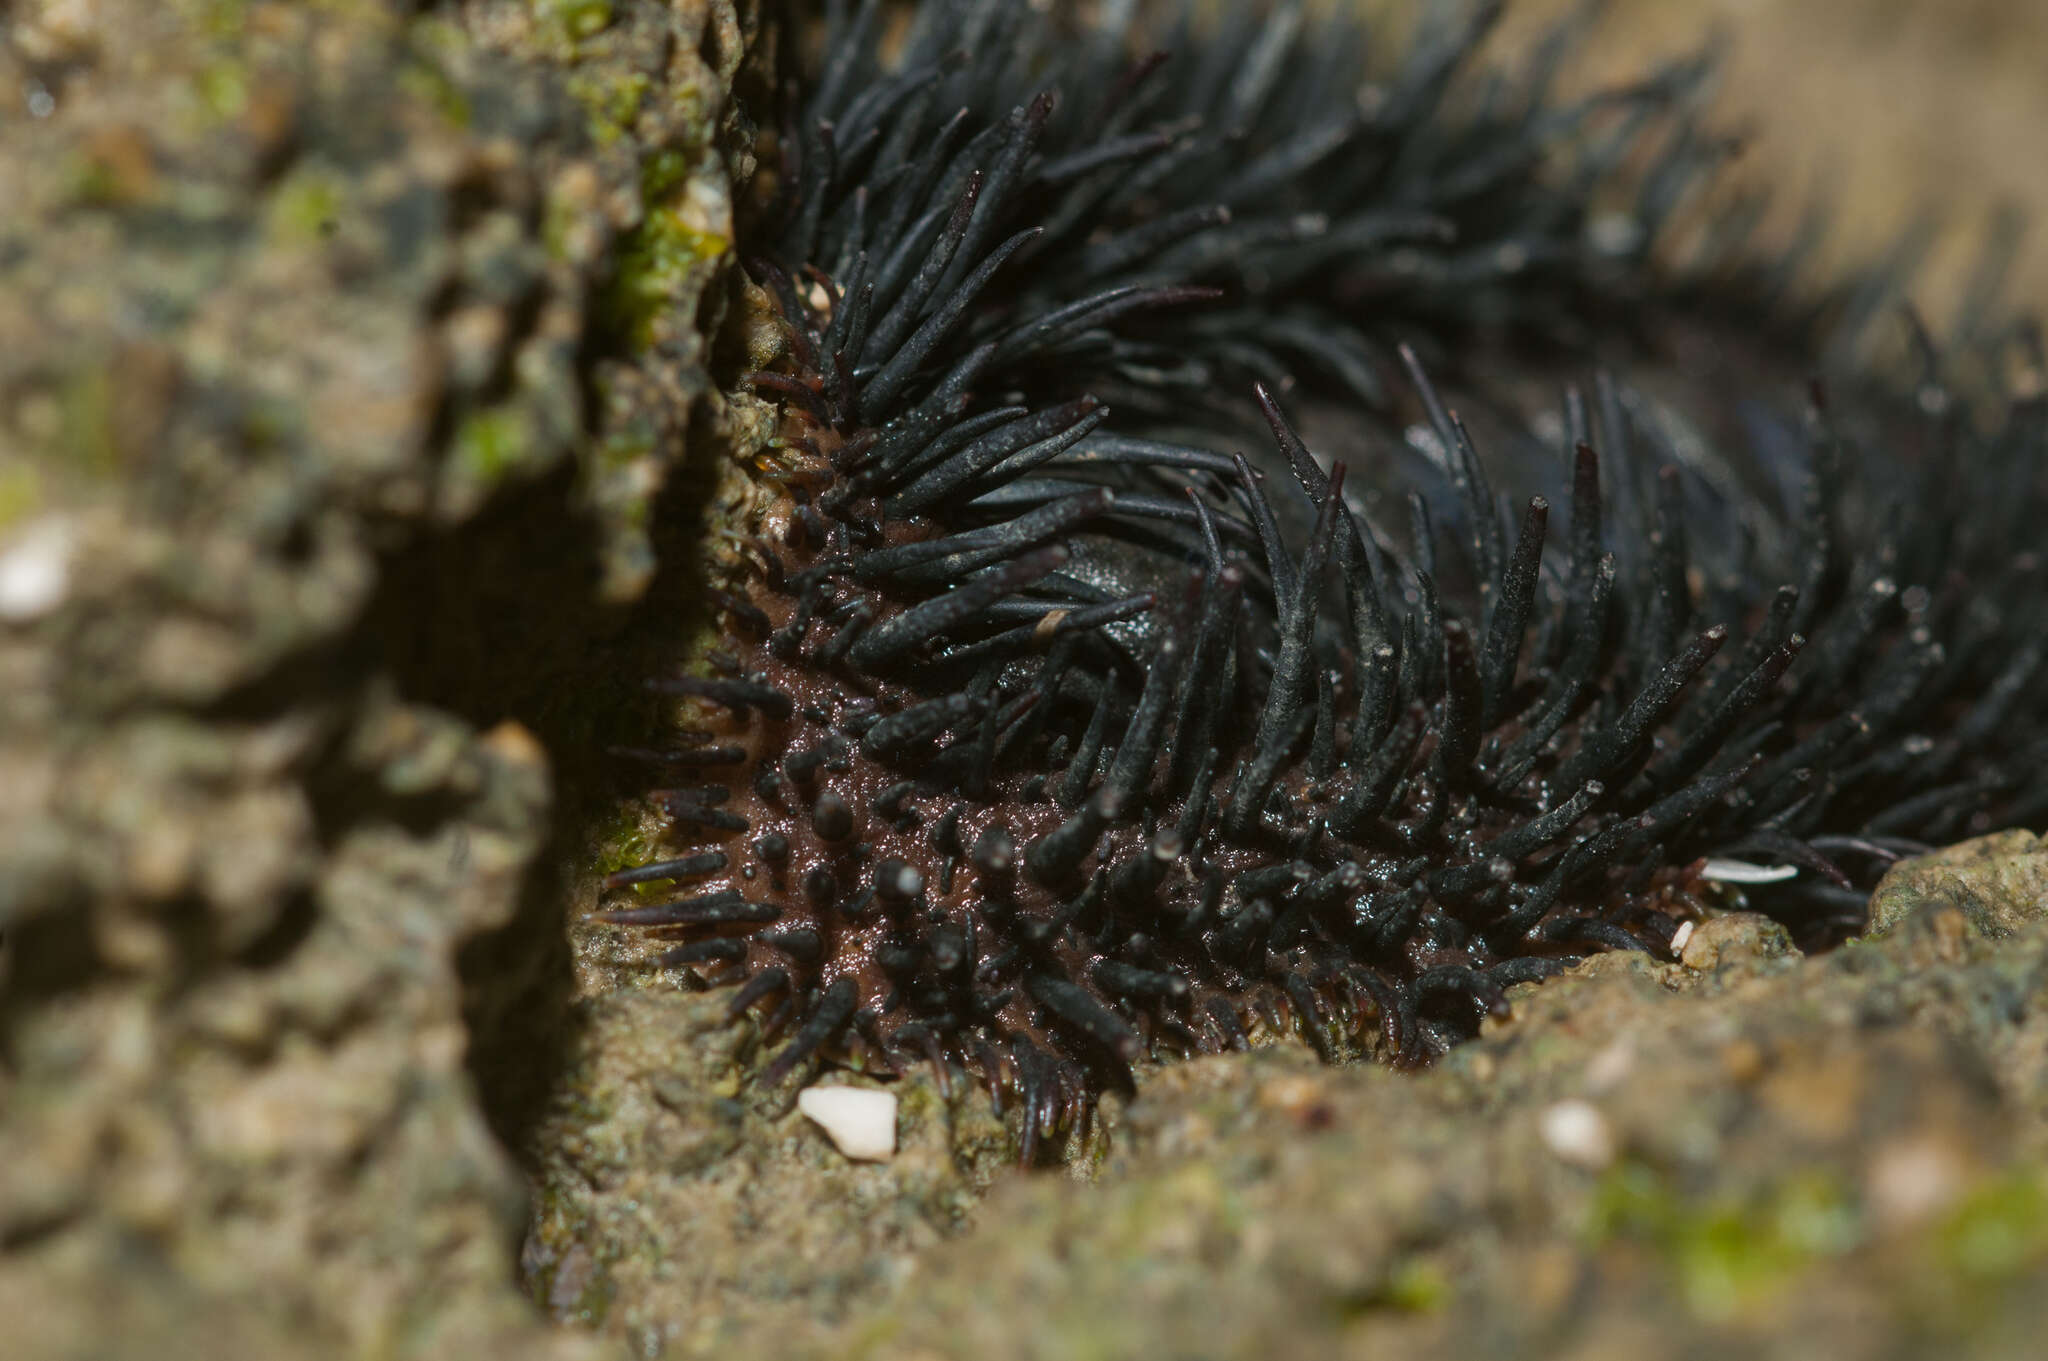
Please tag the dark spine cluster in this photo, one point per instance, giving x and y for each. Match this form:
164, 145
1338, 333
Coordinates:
1046, 739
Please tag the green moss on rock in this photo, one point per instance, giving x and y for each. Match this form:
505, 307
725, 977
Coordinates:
491, 443
1726, 1249
574, 20
662, 265
612, 99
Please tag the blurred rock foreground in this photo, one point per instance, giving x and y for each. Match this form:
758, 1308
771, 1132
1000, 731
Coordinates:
346, 349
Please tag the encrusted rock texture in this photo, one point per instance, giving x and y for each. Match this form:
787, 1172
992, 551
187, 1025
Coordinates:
1748, 1153
359, 423
339, 348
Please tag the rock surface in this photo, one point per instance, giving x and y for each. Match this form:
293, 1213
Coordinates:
1749, 1150
1999, 883
330, 390
1644, 1160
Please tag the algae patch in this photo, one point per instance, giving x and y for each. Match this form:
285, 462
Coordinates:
1727, 1250
574, 20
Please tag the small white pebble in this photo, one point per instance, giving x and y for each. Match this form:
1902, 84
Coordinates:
1610, 1067
860, 1121
1681, 936
1913, 1180
1577, 1133
35, 571
1743, 872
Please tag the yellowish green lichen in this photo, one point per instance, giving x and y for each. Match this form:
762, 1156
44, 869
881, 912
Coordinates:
1727, 1251
628, 836
221, 20
429, 82
559, 218
1998, 1231
85, 438
492, 442
223, 88
664, 172
21, 492
574, 20
919, 1101
1414, 1285
305, 206
92, 183
612, 99
662, 262
660, 265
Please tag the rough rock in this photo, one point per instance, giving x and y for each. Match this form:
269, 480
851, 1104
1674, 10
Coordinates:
1761, 1155
325, 397
1999, 882
1749, 1149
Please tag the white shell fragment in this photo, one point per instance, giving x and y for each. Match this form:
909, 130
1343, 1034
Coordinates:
35, 571
1743, 872
1578, 1134
860, 1121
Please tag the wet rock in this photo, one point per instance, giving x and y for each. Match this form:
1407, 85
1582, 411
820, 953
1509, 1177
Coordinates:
1748, 1163
1735, 939
1999, 883
681, 1204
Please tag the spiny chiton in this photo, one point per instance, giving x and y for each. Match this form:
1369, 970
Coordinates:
1059, 723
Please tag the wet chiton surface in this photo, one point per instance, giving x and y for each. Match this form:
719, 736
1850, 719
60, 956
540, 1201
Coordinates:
1073, 709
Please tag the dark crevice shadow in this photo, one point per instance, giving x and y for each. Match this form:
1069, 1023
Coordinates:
495, 623
500, 621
